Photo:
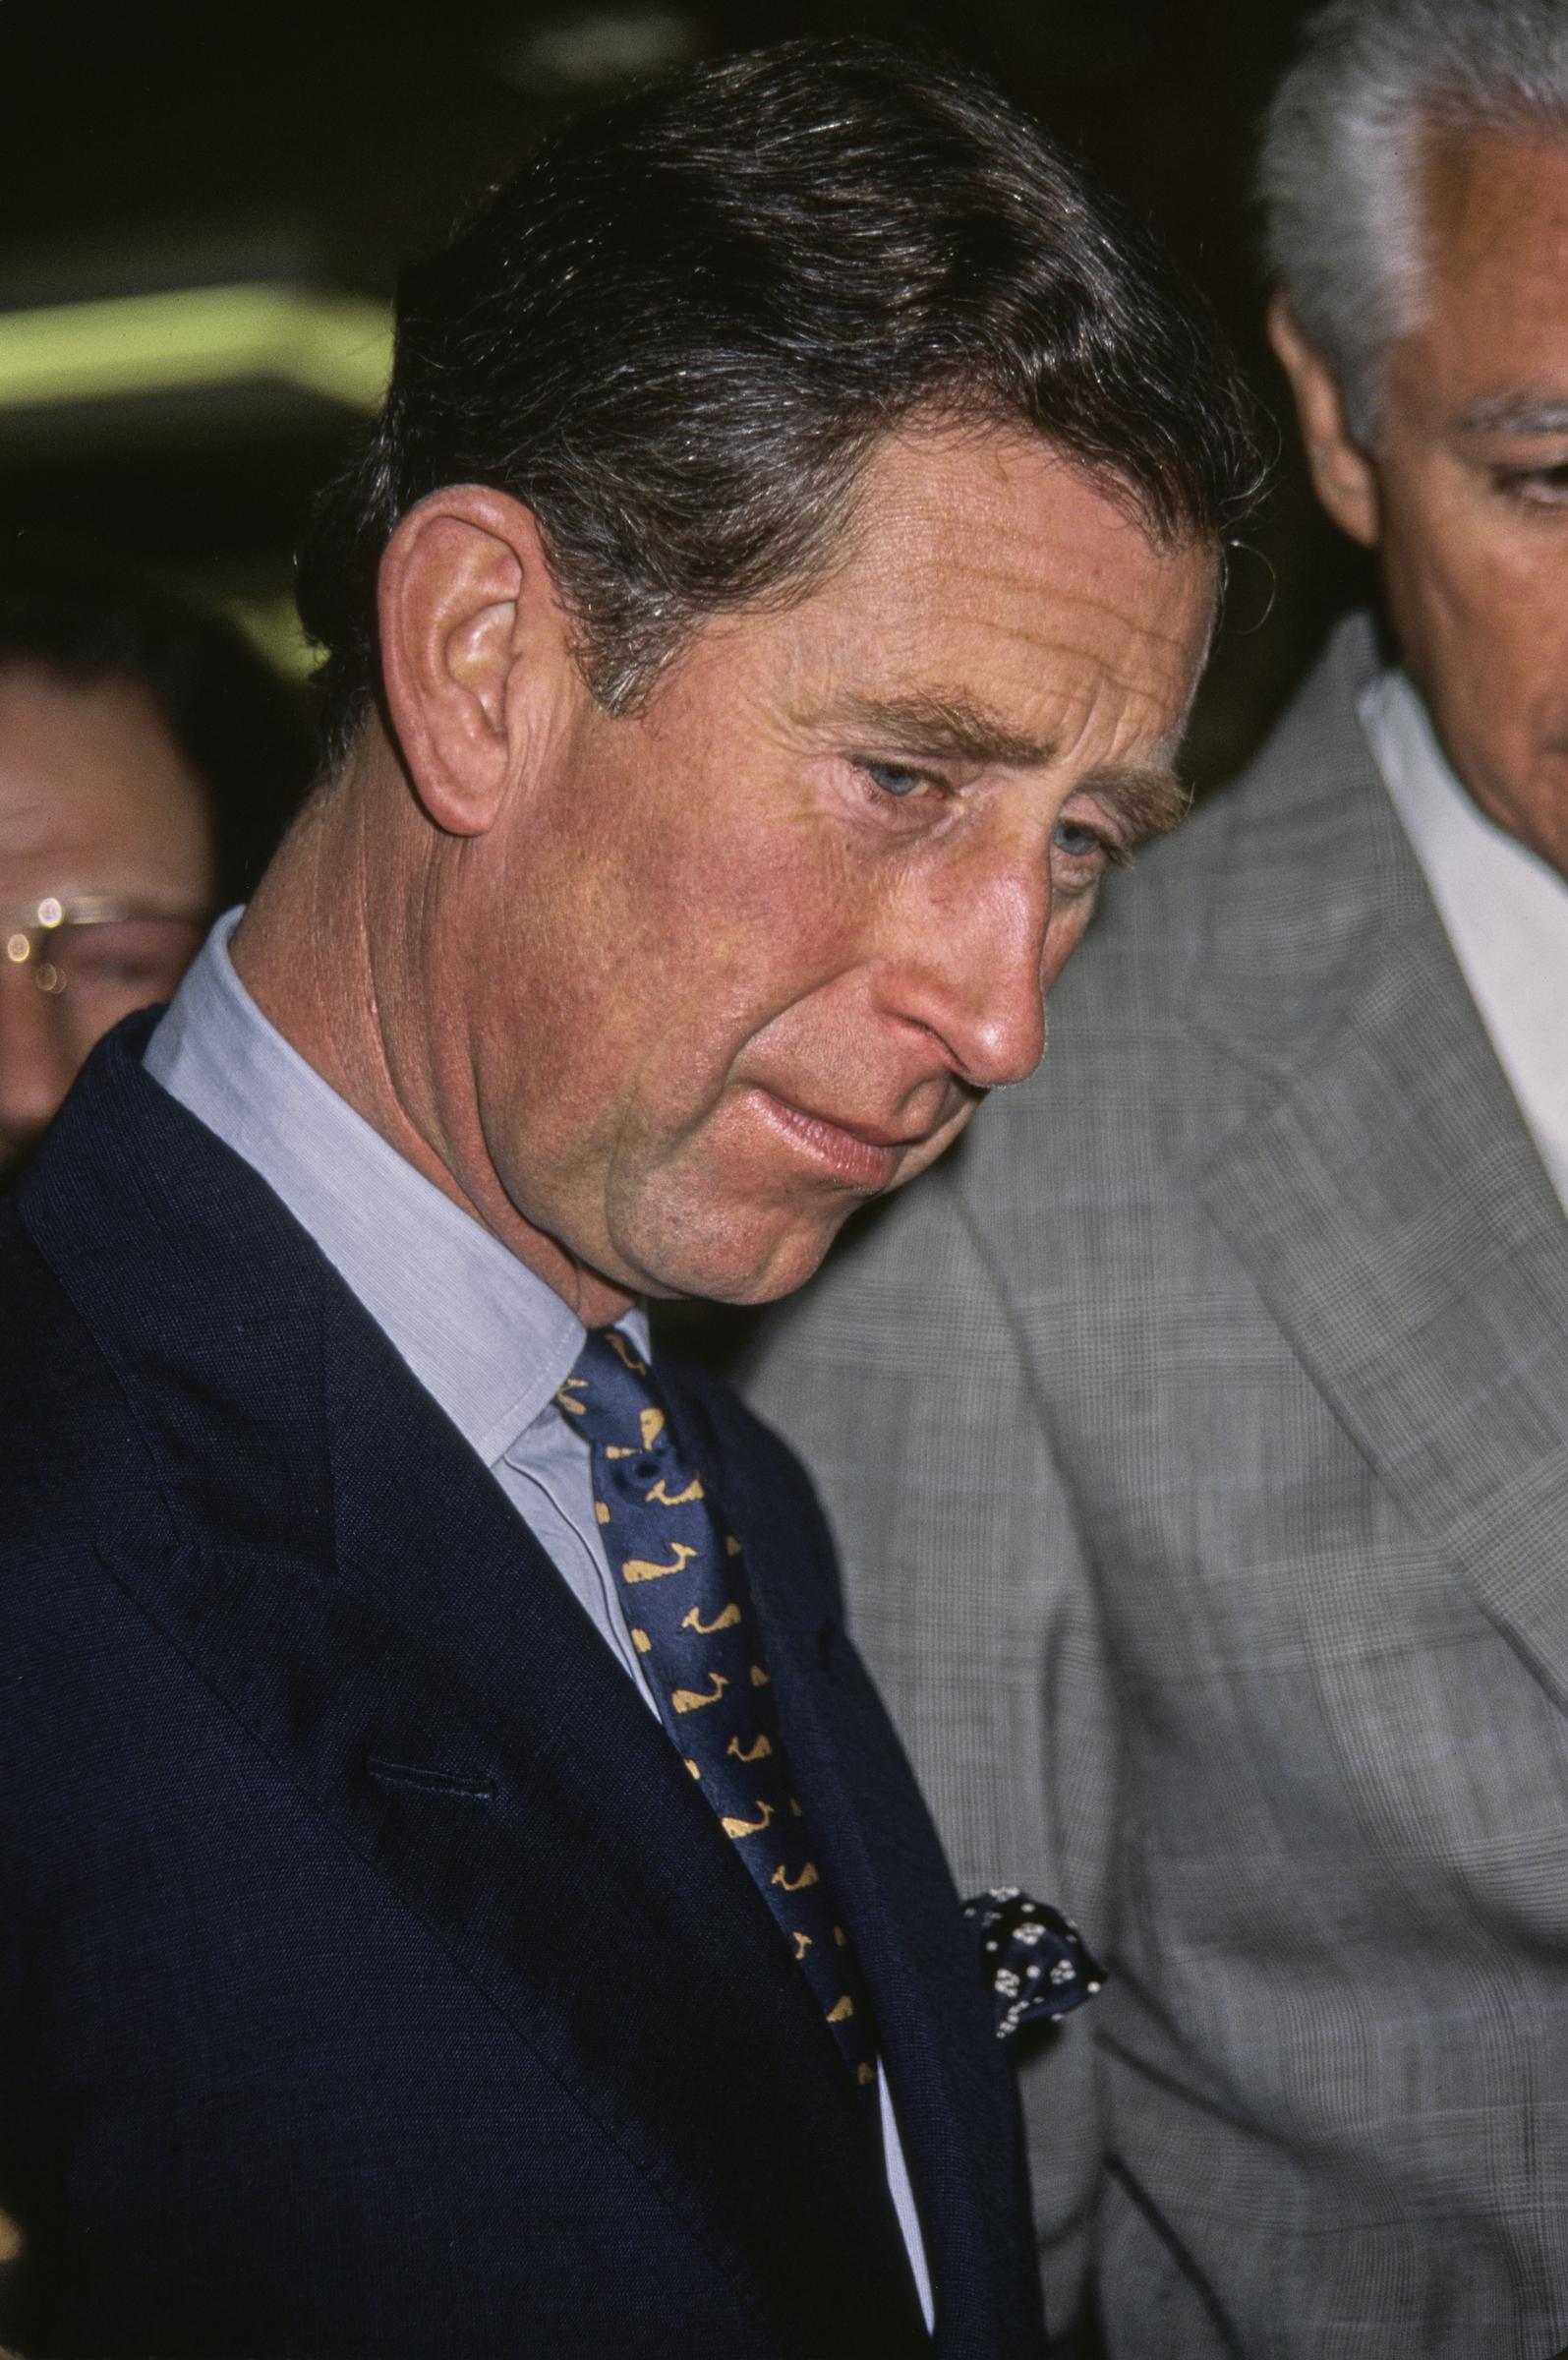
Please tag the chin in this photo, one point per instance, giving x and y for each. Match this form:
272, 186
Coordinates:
733, 1262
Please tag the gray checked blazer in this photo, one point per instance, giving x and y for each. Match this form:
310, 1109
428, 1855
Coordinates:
1197, 1438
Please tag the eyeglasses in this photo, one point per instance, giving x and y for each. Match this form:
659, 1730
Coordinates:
94, 958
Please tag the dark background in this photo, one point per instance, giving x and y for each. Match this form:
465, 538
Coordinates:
144, 148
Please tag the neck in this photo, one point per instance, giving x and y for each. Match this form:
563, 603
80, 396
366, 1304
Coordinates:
333, 950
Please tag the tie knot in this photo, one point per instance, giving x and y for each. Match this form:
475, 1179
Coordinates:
611, 1399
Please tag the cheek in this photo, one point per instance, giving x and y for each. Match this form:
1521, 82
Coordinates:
685, 908
1475, 592
763, 914
1518, 616
1484, 631
1070, 923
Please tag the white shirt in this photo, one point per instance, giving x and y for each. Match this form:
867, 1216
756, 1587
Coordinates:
482, 1333
1504, 911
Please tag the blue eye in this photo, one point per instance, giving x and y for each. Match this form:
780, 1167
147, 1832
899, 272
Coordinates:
1083, 843
894, 779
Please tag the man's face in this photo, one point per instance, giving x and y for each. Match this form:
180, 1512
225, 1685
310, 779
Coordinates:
96, 807
1471, 475
759, 952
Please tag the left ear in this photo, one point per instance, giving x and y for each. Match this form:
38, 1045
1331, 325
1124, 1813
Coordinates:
474, 644
1343, 476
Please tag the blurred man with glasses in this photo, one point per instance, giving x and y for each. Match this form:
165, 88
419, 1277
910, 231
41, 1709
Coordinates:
147, 763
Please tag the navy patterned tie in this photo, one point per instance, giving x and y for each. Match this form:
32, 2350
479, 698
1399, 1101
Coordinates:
682, 1581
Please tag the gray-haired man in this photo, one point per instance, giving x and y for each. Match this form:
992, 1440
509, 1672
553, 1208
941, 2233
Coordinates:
1210, 1424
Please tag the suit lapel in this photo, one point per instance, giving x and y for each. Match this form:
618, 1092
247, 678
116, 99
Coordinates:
1391, 1208
952, 2080
389, 1632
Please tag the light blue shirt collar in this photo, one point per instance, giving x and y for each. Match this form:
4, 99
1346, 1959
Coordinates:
482, 1333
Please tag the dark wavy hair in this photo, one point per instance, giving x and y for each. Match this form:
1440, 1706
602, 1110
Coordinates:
678, 329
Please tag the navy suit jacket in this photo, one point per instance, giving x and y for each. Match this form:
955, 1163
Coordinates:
373, 1980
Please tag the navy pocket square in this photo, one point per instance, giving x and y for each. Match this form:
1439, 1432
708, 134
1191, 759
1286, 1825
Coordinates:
1036, 1962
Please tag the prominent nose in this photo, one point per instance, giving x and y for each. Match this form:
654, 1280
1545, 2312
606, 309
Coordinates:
36, 1067
974, 970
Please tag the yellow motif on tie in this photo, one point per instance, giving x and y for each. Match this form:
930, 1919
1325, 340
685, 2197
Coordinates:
579, 1409
841, 2010
865, 2073
807, 1876
692, 1700
755, 1754
759, 1678
796, 1810
644, 1568
748, 1827
694, 1767
659, 1498
705, 1630
840, 1937
601, 1511
620, 1450
624, 1353
802, 1943
651, 1424
642, 1642
731, 1545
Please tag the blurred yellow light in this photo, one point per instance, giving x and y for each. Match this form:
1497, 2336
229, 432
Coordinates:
334, 345
272, 625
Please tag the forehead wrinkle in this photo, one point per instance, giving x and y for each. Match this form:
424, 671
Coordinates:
1074, 592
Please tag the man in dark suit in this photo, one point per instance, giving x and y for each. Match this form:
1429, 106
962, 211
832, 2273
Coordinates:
1258, 1305
461, 1893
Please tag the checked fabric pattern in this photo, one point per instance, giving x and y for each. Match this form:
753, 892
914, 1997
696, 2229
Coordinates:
682, 1581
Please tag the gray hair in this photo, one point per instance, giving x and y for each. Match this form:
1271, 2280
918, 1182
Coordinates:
1338, 172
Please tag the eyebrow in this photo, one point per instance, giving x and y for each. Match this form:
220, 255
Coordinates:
1516, 414
953, 729
1154, 801
943, 728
